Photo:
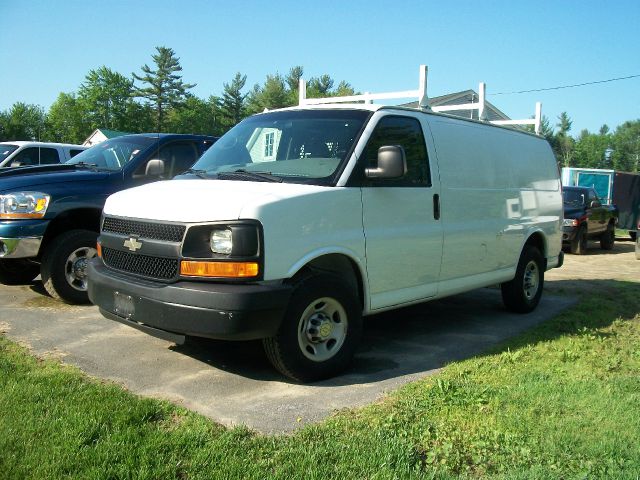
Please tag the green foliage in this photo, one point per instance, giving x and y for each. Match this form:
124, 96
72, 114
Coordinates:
626, 147
66, 120
233, 105
165, 88
22, 122
106, 99
196, 116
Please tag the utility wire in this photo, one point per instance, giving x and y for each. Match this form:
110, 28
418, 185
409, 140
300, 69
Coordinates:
566, 86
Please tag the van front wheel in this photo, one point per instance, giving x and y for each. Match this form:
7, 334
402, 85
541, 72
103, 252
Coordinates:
319, 332
522, 294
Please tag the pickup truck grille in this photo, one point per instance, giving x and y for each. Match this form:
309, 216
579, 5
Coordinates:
158, 231
145, 265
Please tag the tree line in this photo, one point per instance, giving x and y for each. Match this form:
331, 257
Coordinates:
617, 150
158, 100
155, 100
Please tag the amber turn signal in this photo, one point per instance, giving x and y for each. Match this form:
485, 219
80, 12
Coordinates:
99, 249
219, 269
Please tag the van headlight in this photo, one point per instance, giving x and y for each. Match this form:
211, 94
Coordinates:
570, 222
221, 241
23, 205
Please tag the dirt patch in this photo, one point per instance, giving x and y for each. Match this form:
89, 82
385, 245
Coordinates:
590, 271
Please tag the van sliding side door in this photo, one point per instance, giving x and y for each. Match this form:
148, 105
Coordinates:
403, 235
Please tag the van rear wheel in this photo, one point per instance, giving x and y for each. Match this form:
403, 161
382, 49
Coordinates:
522, 294
320, 330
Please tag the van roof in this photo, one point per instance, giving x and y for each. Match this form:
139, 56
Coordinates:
372, 107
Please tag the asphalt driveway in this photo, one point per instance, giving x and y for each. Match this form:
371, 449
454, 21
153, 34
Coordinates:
234, 384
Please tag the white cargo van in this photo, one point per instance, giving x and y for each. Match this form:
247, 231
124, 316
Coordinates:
299, 222
24, 153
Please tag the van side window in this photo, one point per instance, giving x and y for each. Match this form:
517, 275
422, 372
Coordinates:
73, 152
406, 132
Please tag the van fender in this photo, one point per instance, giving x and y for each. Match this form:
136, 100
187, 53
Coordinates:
335, 250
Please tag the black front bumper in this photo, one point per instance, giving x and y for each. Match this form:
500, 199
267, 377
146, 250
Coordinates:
200, 309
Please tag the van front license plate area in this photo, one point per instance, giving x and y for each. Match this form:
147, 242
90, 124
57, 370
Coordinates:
123, 305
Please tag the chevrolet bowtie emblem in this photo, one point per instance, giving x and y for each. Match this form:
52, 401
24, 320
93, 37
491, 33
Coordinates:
133, 244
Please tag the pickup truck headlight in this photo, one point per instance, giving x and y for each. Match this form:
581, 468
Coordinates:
23, 205
570, 222
221, 241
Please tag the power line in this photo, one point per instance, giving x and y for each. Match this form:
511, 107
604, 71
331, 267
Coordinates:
566, 86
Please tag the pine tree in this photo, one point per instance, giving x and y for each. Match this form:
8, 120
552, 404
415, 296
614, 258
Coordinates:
165, 87
232, 108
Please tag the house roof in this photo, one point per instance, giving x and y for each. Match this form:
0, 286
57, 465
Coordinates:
466, 96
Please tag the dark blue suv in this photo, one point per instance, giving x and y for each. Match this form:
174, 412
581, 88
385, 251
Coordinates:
50, 215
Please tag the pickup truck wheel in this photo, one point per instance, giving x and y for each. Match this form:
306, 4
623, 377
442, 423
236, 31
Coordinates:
320, 330
608, 238
579, 242
18, 271
522, 294
64, 265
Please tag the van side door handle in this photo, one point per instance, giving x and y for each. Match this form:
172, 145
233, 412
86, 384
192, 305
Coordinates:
436, 206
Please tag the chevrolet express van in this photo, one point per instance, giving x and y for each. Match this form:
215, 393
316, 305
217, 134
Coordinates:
299, 222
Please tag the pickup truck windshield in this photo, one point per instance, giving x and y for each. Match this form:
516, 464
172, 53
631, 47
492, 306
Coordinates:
6, 150
112, 154
293, 146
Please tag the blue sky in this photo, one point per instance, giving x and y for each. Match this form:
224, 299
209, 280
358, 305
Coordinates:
47, 47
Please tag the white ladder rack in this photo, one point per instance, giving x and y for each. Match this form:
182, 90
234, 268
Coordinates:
423, 101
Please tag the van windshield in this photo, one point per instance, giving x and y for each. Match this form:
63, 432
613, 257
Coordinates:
112, 154
297, 146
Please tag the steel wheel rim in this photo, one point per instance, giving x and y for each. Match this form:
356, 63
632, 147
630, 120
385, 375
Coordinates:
531, 281
322, 329
75, 268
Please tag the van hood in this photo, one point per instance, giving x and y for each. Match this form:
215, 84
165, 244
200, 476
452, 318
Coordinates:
192, 201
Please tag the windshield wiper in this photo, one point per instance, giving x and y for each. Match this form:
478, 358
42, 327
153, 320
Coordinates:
199, 173
242, 174
86, 165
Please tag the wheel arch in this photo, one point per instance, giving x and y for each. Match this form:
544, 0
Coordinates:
76, 219
339, 263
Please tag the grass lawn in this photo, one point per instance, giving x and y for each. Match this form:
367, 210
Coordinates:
560, 401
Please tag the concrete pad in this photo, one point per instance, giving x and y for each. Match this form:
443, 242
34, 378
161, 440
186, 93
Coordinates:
233, 383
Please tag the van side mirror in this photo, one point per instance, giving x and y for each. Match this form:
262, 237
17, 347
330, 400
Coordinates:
392, 163
595, 204
154, 168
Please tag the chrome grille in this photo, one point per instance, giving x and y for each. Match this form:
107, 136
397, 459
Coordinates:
145, 265
158, 231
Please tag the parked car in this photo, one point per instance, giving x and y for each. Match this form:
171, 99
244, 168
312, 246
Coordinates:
50, 214
586, 218
298, 222
20, 153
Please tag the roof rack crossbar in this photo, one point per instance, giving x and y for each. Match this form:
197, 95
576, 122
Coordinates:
423, 101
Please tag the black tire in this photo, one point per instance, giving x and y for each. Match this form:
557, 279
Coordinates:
632, 236
320, 306
522, 294
579, 242
18, 271
608, 238
64, 265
